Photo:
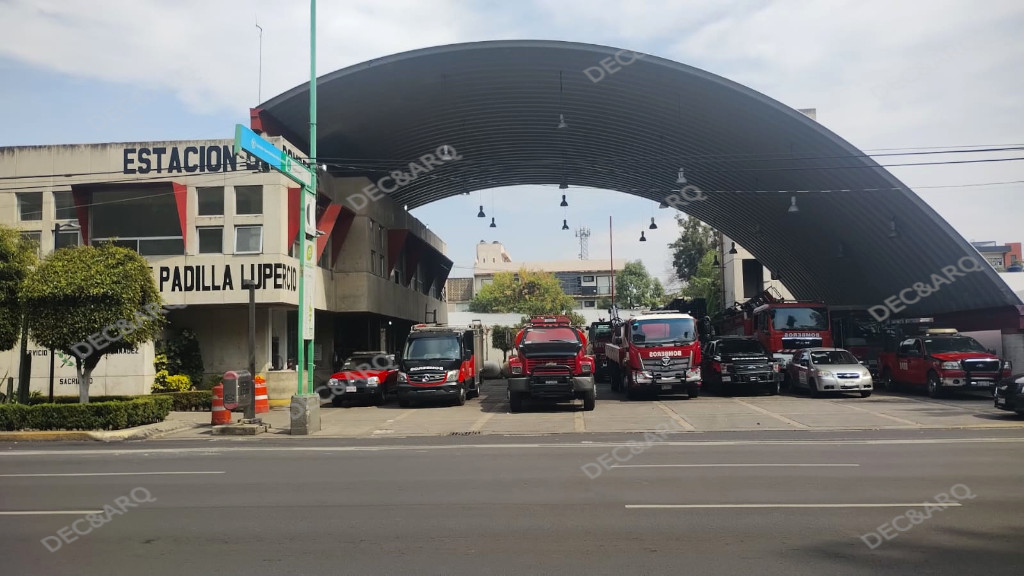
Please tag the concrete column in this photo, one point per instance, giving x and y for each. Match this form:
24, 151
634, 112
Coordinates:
1013, 350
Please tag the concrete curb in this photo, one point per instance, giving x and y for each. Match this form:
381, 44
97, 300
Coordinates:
137, 433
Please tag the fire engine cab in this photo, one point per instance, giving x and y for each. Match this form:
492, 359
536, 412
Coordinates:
549, 362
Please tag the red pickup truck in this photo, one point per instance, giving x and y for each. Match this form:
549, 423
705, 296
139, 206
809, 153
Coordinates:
941, 360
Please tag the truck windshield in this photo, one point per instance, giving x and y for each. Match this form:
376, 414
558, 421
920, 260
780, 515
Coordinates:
601, 332
833, 357
560, 334
957, 344
433, 348
799, 319
664, 331
741, 346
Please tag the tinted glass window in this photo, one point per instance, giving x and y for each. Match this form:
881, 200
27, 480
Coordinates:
664, 331
561, 334
833, 357
957, 344
799, 319
441, 347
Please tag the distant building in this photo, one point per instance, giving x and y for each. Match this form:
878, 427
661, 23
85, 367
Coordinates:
585, 280
743, 276
1002, 257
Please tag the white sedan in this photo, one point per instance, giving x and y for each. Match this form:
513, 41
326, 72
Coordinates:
829, 370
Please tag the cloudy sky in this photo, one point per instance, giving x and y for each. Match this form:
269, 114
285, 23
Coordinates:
908, 74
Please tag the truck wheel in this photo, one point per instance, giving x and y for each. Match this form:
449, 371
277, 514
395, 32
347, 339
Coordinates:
934, 387
515, 402
380, 397
693, 393
475, 391
774, 389
613, 377
632, 394
460, 400
887, 382
590, 400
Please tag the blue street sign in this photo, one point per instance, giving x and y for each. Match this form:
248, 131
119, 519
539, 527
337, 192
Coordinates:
253, 143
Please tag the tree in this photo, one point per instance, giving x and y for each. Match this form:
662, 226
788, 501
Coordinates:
528, 292
635, 288
503, 338
90, 301
17, 259
695, 240
706, 284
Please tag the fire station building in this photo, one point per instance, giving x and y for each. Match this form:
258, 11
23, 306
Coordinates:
206, 220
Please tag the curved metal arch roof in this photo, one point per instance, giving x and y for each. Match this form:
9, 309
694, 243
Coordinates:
498, 105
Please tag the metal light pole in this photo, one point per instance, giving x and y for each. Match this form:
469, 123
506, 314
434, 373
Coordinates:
312, 157
250, 408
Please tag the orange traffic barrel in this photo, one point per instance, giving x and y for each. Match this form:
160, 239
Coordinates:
219, 414
262, 399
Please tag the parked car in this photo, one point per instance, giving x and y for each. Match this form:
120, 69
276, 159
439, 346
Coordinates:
739, 363
829, 370
1010, 394
364, 375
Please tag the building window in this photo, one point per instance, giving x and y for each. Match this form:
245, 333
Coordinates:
588, 303
248, 239
66, 239
373, 261
604, 285
248, 200
30, 206
144, 219
211, 240
588, 279
211, 200
65, 204
36, 239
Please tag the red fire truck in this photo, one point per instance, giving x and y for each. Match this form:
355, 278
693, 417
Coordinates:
779, 325
550, 362
656, 352
939, 359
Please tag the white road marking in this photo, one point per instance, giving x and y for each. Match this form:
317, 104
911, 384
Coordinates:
105, 474
772, 414
602, 445
881, 415
735, 465
479, 424
895, 505
48, 512
675, 416
578, 424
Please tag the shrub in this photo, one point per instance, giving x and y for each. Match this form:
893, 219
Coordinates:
182, 355
188, 401
165, 383
209, 381
112, 415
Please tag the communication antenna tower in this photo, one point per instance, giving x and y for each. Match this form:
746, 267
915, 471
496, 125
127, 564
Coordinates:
583, 233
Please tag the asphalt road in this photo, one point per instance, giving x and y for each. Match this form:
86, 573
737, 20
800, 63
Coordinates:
756, 503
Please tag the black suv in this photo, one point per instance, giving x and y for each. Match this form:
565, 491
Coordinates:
736, 362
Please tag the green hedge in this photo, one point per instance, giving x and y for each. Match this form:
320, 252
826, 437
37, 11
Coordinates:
181, 401
189, 401
112, 415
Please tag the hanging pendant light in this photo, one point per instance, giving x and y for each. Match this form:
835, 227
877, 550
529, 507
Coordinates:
564, 203
793, 208
561, 121
653, 226
642, 239
565, 225
733, 249
681, 179
481, 214
493, 225
446, 153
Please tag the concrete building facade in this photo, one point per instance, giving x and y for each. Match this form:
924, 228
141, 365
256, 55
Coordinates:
206, 220
587, 281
